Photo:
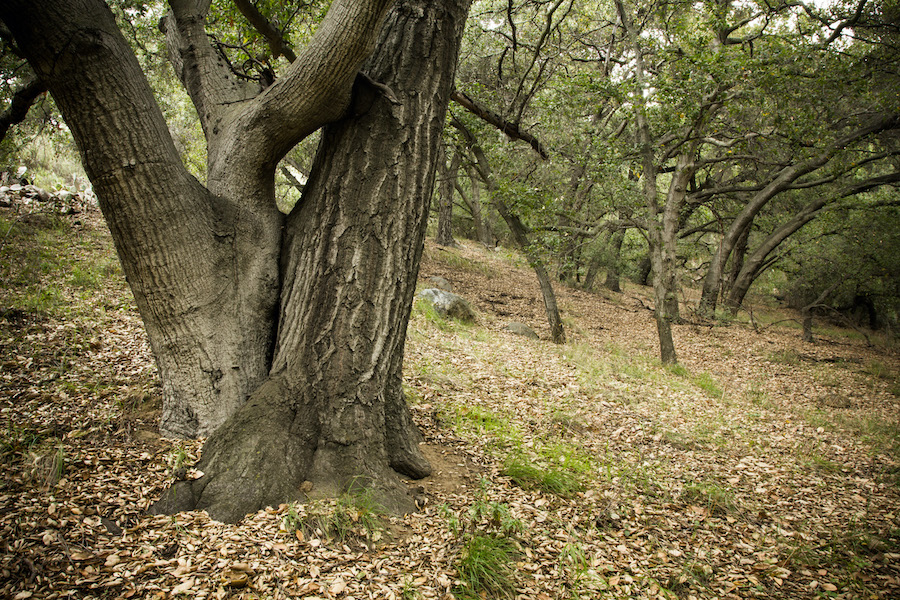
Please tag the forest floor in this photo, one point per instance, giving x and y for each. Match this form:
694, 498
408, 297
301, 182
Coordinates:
761, 467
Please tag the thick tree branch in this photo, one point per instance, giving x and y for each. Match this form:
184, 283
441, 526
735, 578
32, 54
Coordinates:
510, 129
316, 88
21, 103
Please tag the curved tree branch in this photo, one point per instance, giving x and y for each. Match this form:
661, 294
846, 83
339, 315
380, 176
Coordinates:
20, 105
510, 129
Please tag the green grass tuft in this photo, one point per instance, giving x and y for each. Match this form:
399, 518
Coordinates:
486, 568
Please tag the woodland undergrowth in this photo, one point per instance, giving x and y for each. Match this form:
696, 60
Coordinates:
760, 467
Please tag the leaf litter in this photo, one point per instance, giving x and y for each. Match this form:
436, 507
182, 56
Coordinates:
732, 478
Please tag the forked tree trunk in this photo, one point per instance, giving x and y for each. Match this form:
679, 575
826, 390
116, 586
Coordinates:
202, 266
777, 183
302, 332
332, 412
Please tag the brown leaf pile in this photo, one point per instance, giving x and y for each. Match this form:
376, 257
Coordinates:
764, 468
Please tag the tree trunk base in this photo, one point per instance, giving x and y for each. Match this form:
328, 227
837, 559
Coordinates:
271, 452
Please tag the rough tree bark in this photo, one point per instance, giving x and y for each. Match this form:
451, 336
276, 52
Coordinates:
287, 346
332, 412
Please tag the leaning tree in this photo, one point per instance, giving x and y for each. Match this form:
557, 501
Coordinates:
280, 337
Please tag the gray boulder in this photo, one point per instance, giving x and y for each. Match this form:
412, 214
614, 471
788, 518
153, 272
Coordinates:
448, 304
522, 329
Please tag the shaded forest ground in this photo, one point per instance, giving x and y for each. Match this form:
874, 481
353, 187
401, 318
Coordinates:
762, 467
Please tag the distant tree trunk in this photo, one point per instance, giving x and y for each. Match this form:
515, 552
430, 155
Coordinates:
613, 274
597, 261
520, 236
662, 217
737, 261
444, 236
569, 271
807, 311
476, 208
645, 270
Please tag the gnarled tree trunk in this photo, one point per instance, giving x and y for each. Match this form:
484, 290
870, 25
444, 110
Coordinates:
332, 412
282, 337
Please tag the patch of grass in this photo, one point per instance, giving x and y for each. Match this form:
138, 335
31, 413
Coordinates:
454, 261
693, 573
679, 370
593, 366
843, 554
177, 458
568, 456
704, 380
785, 356
480, 421
48, 466
878, 370
86, 277
43, 254
528, 474
486, 568
713, 497
758, 397
581, 582
820, 463
18, 440
424, 309
882, 435
409, 591
354, 515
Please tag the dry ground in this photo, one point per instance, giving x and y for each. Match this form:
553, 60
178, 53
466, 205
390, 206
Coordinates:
762, 467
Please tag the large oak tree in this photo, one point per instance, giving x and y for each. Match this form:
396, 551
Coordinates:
280, 337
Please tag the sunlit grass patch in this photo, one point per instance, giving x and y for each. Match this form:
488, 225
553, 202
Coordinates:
454, 261
529, 474
475, 420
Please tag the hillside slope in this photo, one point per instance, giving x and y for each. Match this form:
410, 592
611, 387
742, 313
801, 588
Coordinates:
762, 467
